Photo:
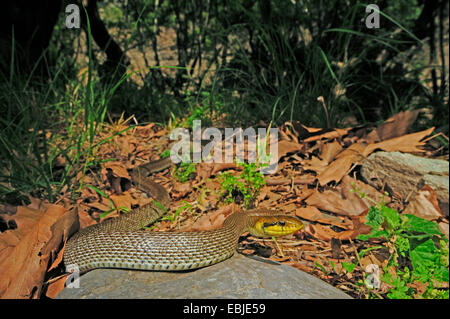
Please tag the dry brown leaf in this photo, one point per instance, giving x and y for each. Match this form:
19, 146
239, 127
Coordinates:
326, 233
396, 125
287, 208
342, 201
127, 145
304, 193
304, 179
342, 164
328, 134
338, 168
354, 148
123, 200
212, 220
103, 205
313, 214
285, 147
180, 190
26, 251
311, 134
54, 288
145, 131
315, 164
118, 169
273, 197
407, 143
330, 150
84, 217
204, 171
425, 205
222, 166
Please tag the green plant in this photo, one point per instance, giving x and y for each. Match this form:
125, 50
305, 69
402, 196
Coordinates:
418, 253
113, 207
184, 172
248, 184
49, 131
177, 212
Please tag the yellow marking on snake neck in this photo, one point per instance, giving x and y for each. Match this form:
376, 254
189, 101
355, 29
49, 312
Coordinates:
268, 226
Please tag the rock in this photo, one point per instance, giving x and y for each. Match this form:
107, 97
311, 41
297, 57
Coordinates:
237, 277
405, 174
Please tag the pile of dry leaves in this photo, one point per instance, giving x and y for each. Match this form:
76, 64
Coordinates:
316, 174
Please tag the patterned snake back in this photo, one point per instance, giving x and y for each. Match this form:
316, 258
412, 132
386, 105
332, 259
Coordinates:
120, 242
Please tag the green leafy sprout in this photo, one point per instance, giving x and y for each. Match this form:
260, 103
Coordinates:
418, 253
249, 183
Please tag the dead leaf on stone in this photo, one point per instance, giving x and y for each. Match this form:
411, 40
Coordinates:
396, 125
425, 205
407, 143
339, 168
443, 226
341, 200
26, 251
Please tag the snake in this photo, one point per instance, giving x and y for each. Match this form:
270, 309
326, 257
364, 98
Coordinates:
122, 243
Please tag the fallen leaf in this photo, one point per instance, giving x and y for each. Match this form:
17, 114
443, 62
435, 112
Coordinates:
304, 179
26, 251
118, 169
287, 208
330, 150
425, 205
326, 233
328, 134
145, 131
343, 201
286, 147
311, 213
409, 143
443, 226
315, 164
212, 220
123, 200
180, 190
396, 125
54, 288
339, 168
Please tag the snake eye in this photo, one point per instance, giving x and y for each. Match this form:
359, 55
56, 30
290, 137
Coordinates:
282, 223
269, 224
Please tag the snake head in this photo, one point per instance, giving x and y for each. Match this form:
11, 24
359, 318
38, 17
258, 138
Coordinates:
279, 225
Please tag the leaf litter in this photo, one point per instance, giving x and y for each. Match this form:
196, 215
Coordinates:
315, 181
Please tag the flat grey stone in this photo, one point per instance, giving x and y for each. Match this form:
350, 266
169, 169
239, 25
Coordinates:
236, 278
405, 174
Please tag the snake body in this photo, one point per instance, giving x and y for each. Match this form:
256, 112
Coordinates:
121, 242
